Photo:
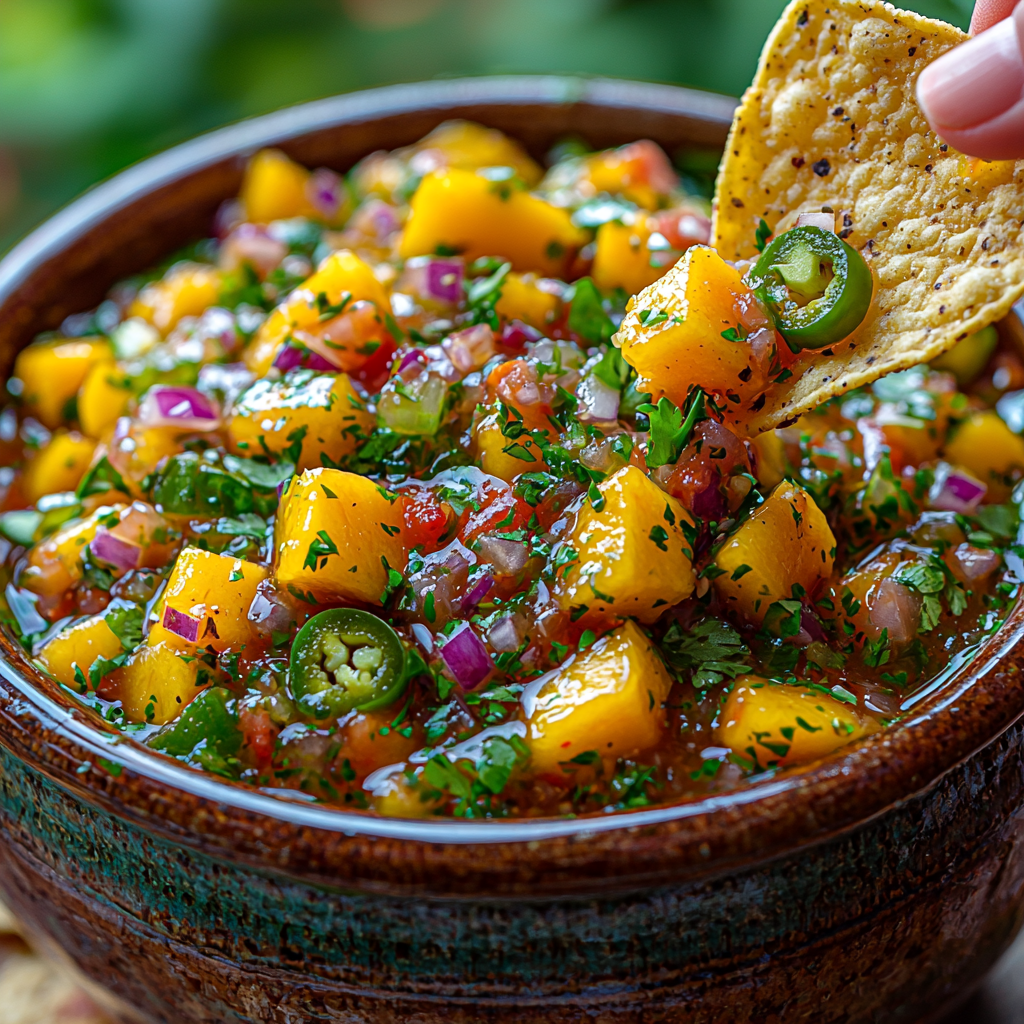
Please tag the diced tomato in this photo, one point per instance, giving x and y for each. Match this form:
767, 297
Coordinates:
515, 383
372, 742
427, 521
258, 733
499, 509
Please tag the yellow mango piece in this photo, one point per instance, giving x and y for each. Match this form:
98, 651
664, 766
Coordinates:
469, 146
51, 372
785, 541
524, 298
770, 724
187, 289
342, 273
79, 646
622, 259
606, 699
103, 398
988, 449
207, 599
59, 466
156, 684
275, 188
489, 445
325, 508
699, 295
465, 212
770, 463
325, 414
633, 556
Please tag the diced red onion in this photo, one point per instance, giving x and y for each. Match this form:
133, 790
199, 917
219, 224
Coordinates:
896, 608
467, 658
444, 280
709, 504
269, 613
326, 192
479, 591
229, 215
515, 334
167, 405
508, 557
958, 492
825, 221
121, 554
811, 629
292, 356
976, 563
181, 624
599, 402
503, 635
469, 349
408, 358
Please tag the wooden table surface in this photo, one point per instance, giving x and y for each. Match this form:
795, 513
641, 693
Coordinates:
32, 991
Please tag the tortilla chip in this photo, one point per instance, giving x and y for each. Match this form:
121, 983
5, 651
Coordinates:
831, 119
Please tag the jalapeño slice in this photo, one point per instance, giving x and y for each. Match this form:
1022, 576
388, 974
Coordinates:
343, 659
815, 286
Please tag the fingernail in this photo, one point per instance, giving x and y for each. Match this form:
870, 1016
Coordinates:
975, 81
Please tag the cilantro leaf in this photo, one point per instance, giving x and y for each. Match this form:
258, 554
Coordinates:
710, 651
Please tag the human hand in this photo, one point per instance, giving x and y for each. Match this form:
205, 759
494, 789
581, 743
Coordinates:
973, 96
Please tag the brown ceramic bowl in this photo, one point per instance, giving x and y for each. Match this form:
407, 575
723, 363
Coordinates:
879, 884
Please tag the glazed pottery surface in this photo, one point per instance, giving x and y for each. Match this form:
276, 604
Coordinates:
876, 886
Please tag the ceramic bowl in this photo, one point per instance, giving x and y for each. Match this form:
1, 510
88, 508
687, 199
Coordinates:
879, 884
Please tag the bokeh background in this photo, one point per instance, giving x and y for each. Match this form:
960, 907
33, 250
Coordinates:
90, 86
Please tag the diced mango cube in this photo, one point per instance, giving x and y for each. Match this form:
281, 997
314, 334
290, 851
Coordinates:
337, 534
51, 373
342, 273
622, 258
103, 398
530, 299
187, 289
492, 449
324, 415
275, 188
607, 699
469, 146
206, 603
767, 723
685, 346
785, 541
58, 466
78, 646
472, 214
770, 464
988, 449
156, 684
633, 557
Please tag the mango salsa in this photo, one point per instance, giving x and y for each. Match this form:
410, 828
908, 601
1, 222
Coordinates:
607, 700
69, 655
338, 536
633, 557
59, 466
51, 373
785, 544
156, 684
186, 291
768, 723
476, 214
986, 447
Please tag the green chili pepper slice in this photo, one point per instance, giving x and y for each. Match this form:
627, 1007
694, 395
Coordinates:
343, 659
816, 287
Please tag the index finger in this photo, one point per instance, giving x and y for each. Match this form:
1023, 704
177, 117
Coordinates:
988, 12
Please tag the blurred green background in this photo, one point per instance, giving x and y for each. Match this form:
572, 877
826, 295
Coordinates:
89, 86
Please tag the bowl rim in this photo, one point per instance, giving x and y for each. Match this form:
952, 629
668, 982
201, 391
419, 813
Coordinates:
46, 728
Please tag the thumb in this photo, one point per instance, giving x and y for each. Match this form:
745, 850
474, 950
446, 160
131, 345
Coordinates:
988, 12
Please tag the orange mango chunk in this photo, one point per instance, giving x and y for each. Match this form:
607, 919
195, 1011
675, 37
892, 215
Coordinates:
622, 258
59, 466
156, 684
469, 146
78, 646
785, 541
774, 724
342, 273
334, 533
607, 699
685, 347
469, 213
103, 398
490, 444
530, 299
324, 414
187, 289
206, 603
51, 372
277, 188
633, 558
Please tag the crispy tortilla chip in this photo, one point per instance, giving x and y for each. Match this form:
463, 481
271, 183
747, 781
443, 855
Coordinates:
831, 119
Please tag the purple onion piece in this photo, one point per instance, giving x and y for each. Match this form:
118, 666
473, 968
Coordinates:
466, 658
444, 280
292, 356
959, 493
709, 504
410, 357
477, 593
326, 191
121, 554
515, 334
811, 624
167, 405
181, 624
